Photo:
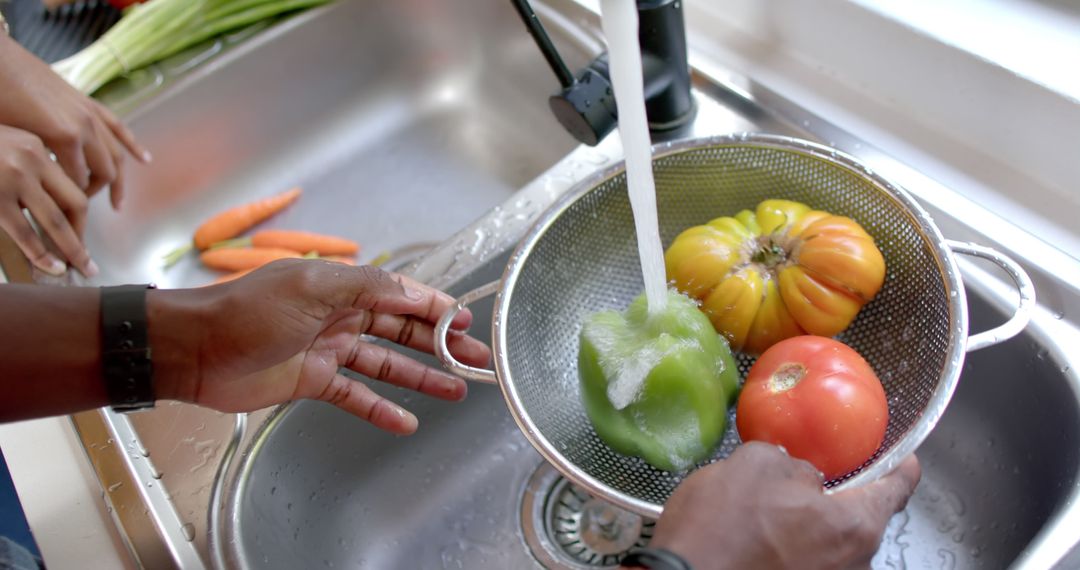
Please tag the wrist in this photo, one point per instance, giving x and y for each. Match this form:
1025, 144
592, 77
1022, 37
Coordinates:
176, 321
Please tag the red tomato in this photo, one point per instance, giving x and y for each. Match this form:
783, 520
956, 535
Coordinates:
819, 399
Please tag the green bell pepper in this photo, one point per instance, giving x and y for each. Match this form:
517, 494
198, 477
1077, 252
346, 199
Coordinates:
657, 386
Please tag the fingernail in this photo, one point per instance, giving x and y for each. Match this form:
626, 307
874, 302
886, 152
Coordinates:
147, 158
91, 269
409, 421
413, 294
464, 391
54, 266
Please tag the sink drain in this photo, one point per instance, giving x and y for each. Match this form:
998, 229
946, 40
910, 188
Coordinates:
566, 528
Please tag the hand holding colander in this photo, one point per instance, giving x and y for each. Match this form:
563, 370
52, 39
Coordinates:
581, 257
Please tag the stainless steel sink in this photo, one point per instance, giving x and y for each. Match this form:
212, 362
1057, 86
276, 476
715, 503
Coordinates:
319, 487
420, 122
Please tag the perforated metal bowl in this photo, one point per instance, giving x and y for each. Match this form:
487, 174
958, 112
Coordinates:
581, 257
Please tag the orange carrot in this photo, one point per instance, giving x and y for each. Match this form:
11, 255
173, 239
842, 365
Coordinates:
234, 275
241, 258
304, 242
237, 220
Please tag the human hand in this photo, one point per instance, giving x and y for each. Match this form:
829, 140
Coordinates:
30, 179
283, 332
88, 140
760, 508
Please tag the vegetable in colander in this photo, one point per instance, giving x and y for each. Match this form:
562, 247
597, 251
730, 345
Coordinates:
657, 385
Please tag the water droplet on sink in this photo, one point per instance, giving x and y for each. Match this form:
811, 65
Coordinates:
948, 559
189, 531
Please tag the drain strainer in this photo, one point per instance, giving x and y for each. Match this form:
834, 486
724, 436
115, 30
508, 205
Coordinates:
566, 528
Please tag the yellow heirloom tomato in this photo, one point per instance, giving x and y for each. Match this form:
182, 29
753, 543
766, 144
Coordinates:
780, 271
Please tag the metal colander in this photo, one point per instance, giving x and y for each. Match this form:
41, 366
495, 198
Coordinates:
581, 257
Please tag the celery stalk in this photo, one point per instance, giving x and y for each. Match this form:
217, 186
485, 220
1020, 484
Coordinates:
149, 32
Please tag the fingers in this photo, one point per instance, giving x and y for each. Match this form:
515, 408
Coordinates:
122, 133
23, 234
117, 190
359, 400
420, 335
392, 367
94, 157
67, 195
70, 157
886, 496
53, 221
891, 492
776, 458
371, 289
434, 303
396, 294
113, 171
100, 159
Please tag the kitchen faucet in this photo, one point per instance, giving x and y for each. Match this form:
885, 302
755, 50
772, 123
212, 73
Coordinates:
585, 105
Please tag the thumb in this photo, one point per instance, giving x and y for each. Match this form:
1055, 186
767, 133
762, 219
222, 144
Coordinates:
887, 496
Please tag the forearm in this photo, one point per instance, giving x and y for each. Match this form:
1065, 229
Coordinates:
50, 348
49, 351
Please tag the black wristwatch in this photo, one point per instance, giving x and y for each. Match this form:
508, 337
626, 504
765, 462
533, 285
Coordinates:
655, 559
126, 362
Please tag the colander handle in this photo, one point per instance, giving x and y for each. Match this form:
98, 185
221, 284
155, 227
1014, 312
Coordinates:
1020, 278
442, 329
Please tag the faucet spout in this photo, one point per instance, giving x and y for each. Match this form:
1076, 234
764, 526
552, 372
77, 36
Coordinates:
585, 105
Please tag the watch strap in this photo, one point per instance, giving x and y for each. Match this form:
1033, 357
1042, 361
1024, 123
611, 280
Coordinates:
127, 366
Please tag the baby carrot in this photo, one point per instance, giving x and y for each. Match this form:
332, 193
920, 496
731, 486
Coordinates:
298, 241
240, 258
237, 220
305, 242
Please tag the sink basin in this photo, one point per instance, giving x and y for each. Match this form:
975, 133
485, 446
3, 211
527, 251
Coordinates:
320, 487
411, 123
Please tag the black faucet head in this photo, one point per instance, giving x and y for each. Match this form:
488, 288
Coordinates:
586, 108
